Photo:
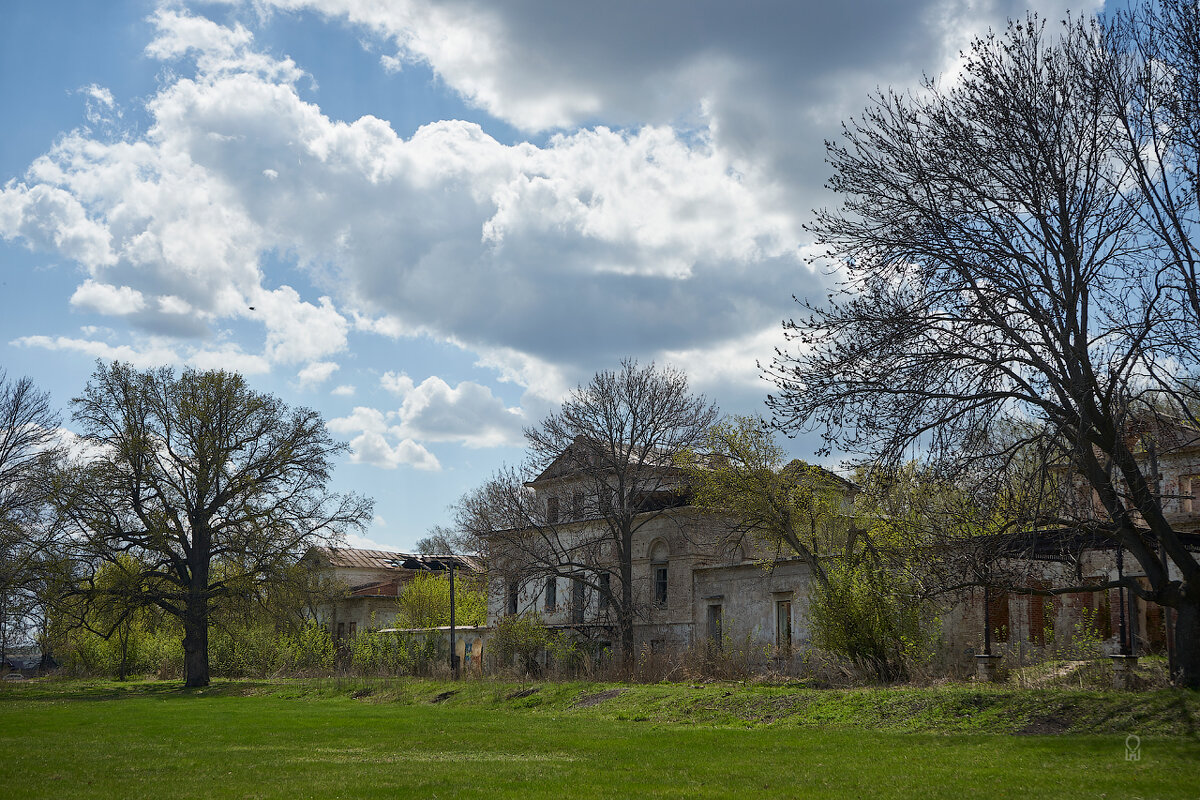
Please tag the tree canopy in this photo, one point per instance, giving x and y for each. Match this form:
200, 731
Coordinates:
214, 489
1015, 252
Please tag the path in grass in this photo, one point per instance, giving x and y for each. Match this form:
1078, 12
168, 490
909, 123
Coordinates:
166, 743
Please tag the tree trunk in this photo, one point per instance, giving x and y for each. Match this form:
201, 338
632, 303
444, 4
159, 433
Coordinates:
1187, 642
195, 650
625, 612
124, 638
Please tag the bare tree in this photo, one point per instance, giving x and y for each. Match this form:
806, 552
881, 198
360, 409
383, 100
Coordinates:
604, 467
28, 431
212, 488
1001, 266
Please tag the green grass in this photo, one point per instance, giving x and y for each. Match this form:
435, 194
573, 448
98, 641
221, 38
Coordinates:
361, 738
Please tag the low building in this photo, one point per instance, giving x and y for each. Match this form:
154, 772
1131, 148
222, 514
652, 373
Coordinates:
367, 583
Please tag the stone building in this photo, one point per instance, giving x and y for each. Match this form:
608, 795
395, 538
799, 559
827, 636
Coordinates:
1048, 559
368, 582
695, 583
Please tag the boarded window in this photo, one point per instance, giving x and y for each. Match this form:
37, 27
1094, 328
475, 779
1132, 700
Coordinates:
1156, 628
577, 505
714, 626
551, 510
1037, 619
1188, 486
998, 615
783, 626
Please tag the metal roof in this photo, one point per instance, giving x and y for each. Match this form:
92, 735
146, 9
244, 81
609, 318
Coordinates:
383, 559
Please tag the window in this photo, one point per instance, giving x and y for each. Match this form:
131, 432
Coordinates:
341, 634
353, 627
578, 600
656, 646
551, 510
605, 588
551, 593
577, 505
658, 562
512, 597
1188, 484
714, 626
783, 626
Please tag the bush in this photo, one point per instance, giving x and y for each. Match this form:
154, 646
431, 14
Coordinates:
868, 616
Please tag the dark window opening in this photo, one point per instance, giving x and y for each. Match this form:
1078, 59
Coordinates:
353, 629
341, 634
551, 510
657, 501
577, 505
660, 584
578, 601
605, 589
512, 597
551, 593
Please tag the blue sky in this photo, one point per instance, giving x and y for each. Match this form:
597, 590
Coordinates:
444, 215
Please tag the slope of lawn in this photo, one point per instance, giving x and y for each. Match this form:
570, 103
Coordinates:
299, 739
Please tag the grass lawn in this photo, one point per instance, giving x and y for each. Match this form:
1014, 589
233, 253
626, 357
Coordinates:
361, 739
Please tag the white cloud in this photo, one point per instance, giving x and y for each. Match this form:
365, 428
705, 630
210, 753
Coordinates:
316, 373
51, 219
360, 542
468, 413
106, 299
371, 445
672, 228
152, 353
345, 390
576, 252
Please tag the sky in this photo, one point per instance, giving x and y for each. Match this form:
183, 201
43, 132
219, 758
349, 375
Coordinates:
430, 221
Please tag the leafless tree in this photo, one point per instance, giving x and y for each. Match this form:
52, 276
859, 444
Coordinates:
28, 450
604, 466
212, 488
1003, 264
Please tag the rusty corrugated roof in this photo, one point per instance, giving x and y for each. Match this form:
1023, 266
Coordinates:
384, 559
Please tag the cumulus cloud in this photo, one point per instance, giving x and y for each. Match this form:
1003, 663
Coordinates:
106, 299
344, 390
579, 251
371, 444
669, 227
152, 353
316, 373
468, 413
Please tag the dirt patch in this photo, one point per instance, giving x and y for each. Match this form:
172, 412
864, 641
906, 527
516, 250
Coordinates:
522, 693
438, 698
1048, 725
589, 700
